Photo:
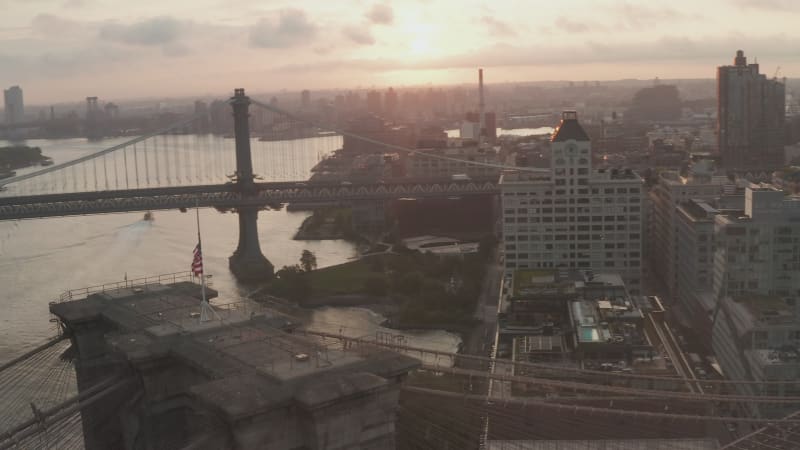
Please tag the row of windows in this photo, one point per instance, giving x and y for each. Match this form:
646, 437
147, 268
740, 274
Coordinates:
598, 241
572, 201
563, 219
512, 259
617, 227
560, 172
546, 231
563, 182
511, 245
593, 253
584, 191
572, 210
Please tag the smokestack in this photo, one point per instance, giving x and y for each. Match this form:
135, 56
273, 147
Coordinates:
481, 107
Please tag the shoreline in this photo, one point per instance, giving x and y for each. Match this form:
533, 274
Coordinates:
383, 307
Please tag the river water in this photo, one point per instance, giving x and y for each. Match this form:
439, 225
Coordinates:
41, 258
519, 132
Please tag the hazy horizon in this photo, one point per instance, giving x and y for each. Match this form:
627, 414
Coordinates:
65, 50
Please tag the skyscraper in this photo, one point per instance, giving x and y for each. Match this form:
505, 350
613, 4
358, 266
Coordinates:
390, 102
751, 111
15, 107
305, 99
374, 102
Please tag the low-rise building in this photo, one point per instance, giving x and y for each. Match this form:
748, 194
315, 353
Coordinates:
582, 317
757, 338
458, 158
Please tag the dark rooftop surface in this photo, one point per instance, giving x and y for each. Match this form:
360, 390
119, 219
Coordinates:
249, 355
569, 128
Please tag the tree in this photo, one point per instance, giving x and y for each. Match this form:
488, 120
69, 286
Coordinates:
376, 285
409, 283
291, 283
308, 261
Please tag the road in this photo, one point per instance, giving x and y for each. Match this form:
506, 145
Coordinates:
480, 340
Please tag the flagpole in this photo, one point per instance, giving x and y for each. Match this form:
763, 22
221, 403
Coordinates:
204, 306
200, 243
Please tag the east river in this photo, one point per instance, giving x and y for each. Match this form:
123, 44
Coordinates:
41, 258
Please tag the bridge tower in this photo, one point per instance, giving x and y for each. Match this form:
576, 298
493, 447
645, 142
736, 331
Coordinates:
247, 262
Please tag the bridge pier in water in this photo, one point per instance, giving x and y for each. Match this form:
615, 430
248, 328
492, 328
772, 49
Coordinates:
247, 263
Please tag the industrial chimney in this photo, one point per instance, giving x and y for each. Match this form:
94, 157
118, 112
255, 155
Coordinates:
481, 108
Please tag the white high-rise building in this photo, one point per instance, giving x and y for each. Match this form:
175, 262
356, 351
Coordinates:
573, 216
14, 105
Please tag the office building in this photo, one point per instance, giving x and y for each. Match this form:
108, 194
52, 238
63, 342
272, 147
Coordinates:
572, 216
672, 189
759, 250
756, 334
14, 105
695, 259
751, 113
305, 99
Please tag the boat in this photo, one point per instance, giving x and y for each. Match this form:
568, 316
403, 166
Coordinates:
148, 216
47, 162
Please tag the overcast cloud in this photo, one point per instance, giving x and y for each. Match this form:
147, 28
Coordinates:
67, 49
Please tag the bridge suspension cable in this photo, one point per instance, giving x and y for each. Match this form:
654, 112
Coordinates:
100, 153
391, 146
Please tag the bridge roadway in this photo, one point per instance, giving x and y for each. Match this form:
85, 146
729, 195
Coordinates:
228, 196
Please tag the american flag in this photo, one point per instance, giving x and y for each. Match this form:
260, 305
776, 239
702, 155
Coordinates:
197, 262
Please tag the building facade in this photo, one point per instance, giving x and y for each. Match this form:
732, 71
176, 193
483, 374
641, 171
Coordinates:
14, 105
453, 160
572, 216
695, 263
671, 190
756, 332
751, 113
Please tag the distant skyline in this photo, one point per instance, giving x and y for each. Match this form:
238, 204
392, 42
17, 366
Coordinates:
65, 50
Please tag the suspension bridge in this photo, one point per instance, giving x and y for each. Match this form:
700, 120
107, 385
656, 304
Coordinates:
172, 168
138, 342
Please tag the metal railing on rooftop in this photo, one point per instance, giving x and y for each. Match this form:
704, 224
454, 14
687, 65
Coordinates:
81, 293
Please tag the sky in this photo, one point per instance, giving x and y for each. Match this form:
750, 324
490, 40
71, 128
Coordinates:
65, 50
